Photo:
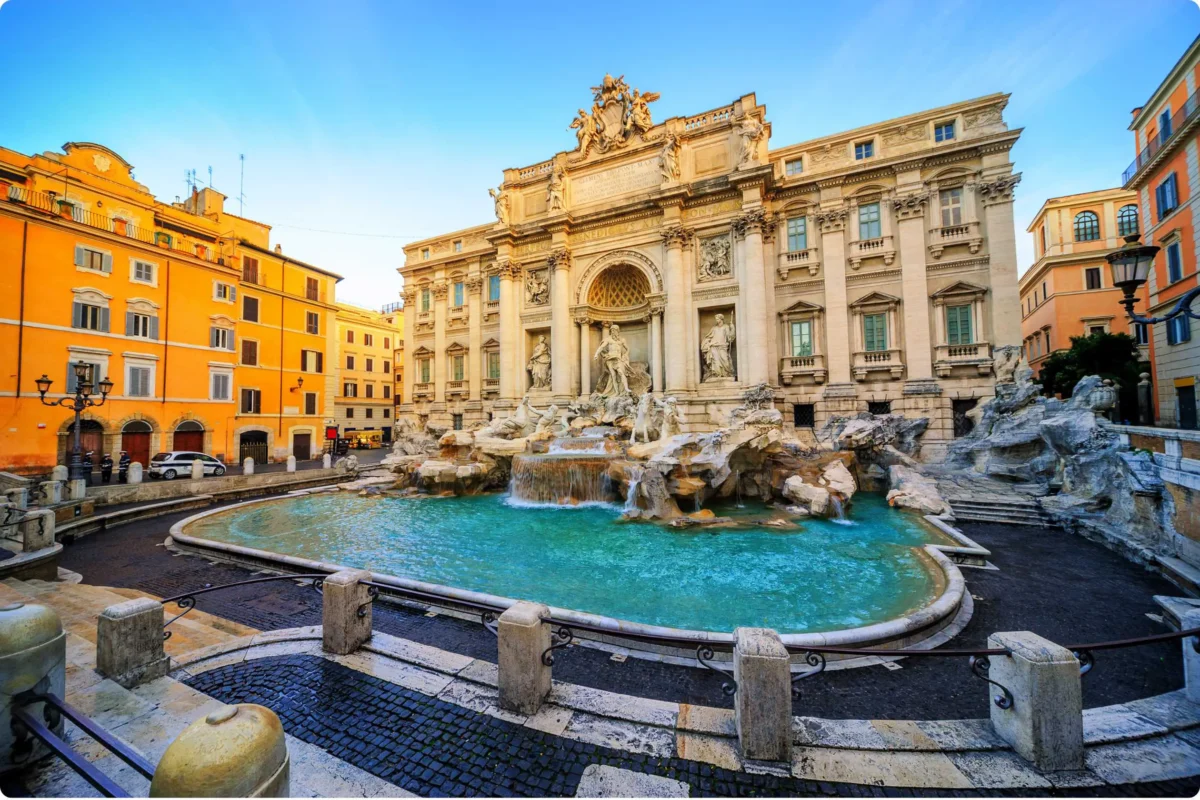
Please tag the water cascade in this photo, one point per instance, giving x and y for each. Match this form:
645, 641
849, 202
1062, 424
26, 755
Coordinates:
839, 512
582, 445
562, 479
635, 480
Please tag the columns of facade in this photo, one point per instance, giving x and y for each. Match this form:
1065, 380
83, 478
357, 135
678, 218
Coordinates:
585, 355
509, 385
997, 199
475, 363
562, 375
676, 312
939, 320
441, 371
752, 327
918, 351
656, 350
837, 322
970, 203
410, 331
770, 252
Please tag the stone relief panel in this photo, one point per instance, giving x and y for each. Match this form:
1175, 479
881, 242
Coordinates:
537, 287
715, 262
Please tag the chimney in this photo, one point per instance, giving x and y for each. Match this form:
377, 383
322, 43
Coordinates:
1136, 113
278, 249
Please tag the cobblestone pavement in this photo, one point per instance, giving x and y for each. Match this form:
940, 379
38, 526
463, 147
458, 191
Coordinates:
1055, 584
437, 749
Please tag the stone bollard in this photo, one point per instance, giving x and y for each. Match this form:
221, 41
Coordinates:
524, 680
76, 489
326, 461
291, 464
33, 656
1191, 659
18, 497
248, 466
50, 494
343, 630
135, 473
37, 530
1045, 723
236, 751
129, 642
60, 473
763, 703
197, 470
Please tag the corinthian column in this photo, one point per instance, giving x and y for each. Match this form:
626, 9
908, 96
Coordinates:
752, 322
585, 354
509, 370
656, 350
562, 376
475, 365
676, 314
918, 352
410, 330
837, 322
997, 197
440, 371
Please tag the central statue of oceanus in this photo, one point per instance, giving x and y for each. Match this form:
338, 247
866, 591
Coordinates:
613, 355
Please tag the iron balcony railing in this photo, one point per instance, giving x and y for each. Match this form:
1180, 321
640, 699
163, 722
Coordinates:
390, 307
1178, 120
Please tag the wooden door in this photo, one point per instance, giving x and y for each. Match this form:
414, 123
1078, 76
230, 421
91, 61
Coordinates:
138, 447
302, 446
189, 440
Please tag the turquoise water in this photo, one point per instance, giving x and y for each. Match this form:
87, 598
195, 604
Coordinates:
820, 576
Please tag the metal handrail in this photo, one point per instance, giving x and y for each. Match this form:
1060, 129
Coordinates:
187, 600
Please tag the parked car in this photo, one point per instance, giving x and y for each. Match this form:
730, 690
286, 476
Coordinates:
179, 462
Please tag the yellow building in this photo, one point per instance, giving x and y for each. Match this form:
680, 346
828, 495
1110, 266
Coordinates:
367, 344
153, 296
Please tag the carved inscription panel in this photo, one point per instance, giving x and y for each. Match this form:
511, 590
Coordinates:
617, 180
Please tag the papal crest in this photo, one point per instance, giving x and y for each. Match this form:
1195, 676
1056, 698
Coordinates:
617, 114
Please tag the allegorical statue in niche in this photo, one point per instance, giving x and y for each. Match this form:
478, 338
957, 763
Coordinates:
500, 198
751, 131
714, 258
554, 192
537, 288
668, 159
718, 361
539, 364
613, 355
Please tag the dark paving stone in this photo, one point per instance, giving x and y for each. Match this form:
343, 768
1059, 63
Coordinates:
1058, 585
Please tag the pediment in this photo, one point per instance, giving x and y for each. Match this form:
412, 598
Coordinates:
801, 306
960, 288
457, 347
98, 160
422, 351
490, 343
875, 298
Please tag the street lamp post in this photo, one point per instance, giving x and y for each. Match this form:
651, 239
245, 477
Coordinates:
1131, 266
81, 401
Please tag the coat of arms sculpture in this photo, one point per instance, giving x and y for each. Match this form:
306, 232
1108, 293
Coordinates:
618, 113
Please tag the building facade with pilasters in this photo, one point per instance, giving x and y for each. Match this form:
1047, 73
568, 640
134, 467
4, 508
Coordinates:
873, 269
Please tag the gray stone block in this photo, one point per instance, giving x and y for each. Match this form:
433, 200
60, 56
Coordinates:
1045, 723
524, 681
37, 530
343, 629
1191, 659
129, 642
763, 703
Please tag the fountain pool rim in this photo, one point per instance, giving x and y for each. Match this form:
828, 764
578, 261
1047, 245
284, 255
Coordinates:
908, 630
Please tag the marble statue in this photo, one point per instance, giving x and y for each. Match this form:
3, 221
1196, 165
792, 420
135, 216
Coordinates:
641, 420
539, 364
585, 130
714, 258
546, 421
670, 419
751, 132
618, 113
500, 198
613, 354
555, 200
639, 110
668, 159
716, 347
537, 288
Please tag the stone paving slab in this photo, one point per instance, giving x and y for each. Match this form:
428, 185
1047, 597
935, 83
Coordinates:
1152, 759
914, 770
601, 781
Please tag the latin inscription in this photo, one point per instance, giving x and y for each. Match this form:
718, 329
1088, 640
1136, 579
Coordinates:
618, 180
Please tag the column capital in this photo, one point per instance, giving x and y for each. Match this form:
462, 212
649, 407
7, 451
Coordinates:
910, 206
752, 222
508, 270
409, 295
559, 259
474, 284
677, 236
999, 190
832, 220
440, 290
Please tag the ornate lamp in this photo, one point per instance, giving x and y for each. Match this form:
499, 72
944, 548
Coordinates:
1130, 269
76, 403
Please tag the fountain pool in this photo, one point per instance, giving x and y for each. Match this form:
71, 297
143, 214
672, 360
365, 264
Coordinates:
820, 576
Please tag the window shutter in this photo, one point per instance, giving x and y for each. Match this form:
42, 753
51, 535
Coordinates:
104, 319
229, 342
79, 255
128, 323
77, 315
72, 383
233, 293
154, 327
869, 333
106, 263
212, 337
320, 362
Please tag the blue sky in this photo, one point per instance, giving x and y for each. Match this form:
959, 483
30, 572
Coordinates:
391, 119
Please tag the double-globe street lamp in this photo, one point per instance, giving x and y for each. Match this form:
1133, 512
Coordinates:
82, 400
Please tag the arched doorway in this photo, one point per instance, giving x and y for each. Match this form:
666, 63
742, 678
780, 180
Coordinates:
253, 444
189, 436
135, 440
91, 437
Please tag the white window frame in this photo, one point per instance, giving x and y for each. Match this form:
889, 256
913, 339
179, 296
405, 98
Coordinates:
222, 372
152, 382
228, 336
224, 292
134, 263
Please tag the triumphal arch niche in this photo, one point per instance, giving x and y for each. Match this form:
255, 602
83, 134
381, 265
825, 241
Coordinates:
686, 258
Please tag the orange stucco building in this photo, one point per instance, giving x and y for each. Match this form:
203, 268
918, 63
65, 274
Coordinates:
1165, 175
204, 330
1068, 291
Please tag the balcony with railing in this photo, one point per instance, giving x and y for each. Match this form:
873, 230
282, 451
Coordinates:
809, 259
51, 205
1179, 120
802, 369
875, 361
949, 235
491, 386
457, 388
881, 247
422, 391
974, 356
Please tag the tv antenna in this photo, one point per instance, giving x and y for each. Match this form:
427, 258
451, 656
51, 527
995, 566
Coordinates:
242, 185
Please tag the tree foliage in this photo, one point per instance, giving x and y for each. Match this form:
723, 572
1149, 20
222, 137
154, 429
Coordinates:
1110, 355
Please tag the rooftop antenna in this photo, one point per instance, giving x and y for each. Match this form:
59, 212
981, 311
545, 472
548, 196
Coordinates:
242, 186
190, 179
210, 176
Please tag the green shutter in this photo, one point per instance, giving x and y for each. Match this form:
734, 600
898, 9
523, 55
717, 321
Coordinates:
875, 332
958, 325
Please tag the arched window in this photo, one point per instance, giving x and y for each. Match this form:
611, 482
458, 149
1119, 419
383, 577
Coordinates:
1087, 226
1127, 220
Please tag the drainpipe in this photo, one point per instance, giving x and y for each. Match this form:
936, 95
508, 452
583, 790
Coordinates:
166, 333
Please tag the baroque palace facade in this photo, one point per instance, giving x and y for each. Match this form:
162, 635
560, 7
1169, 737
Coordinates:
868, 270
214, 340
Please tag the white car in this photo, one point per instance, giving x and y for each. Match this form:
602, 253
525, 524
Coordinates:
179, 462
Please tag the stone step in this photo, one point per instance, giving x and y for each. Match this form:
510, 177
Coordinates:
1027, 521
961, 513
970, 501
